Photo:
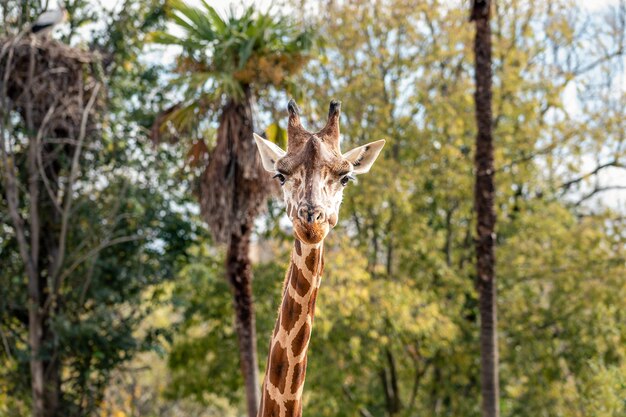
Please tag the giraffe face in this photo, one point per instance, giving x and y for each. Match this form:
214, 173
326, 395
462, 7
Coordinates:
313, 177
313, 173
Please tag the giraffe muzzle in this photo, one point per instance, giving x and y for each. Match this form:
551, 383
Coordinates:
310, 214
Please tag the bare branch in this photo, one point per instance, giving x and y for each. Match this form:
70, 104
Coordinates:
614, 163
597, 190
364, 412
73, 142
34, 172
44, 177
68, 192
419, 373
530, 156
10, 182
589, 67
113, 221
5, 344
96, 250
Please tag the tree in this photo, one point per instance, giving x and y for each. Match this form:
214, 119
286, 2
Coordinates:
404, 340
396, 328
79, 223
405, 74
224, 65
45, 119
484, 201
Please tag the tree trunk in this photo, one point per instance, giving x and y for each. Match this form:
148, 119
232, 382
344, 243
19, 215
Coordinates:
52, 388
484, 193
48, 251
35, 330
239, 274
35, 291
233, 190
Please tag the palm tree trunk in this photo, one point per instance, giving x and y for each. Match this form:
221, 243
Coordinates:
232, 192
239, 275
484, 192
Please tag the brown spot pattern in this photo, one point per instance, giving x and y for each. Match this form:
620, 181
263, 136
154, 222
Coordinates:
272, 409
299, 282
311, 260
299, 371
302, 337
311, 306
290, 313
312, 160
294, 408
278, 367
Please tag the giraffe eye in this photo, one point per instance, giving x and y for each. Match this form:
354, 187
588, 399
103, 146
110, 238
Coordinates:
281, 178
346, 179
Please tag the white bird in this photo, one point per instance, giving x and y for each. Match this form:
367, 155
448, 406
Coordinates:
48, 20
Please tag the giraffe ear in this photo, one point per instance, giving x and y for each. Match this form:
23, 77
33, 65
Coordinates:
270, 152
363, 157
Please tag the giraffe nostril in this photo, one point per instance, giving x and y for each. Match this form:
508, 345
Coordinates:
311, 214
303, 213
318, 214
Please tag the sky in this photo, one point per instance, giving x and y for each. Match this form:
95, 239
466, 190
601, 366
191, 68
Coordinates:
225, 4
616, 199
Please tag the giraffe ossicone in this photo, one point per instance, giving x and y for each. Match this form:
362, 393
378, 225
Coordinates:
313, 173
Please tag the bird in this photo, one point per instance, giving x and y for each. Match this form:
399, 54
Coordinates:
48, 20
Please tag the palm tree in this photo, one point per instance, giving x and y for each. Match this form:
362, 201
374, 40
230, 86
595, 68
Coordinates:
484, 197
224, 64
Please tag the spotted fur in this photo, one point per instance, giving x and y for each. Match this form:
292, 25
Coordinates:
311, 172
286, 369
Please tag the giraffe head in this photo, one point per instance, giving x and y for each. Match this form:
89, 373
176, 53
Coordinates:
313, 172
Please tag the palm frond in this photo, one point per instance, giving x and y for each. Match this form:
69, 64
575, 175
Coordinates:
219, 25
183, 118
224, 57
165, 38
237, 43
193, 20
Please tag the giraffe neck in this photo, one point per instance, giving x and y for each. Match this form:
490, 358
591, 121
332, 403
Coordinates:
286, 367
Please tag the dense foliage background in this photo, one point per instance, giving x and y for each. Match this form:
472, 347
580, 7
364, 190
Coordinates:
147, 326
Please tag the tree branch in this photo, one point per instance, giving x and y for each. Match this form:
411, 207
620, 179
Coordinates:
113, 222
95, 250
364, 412
57, 280
598, 189
10, 180
614, 163
12, 197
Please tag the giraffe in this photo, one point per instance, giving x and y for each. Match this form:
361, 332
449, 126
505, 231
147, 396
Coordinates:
312, 173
